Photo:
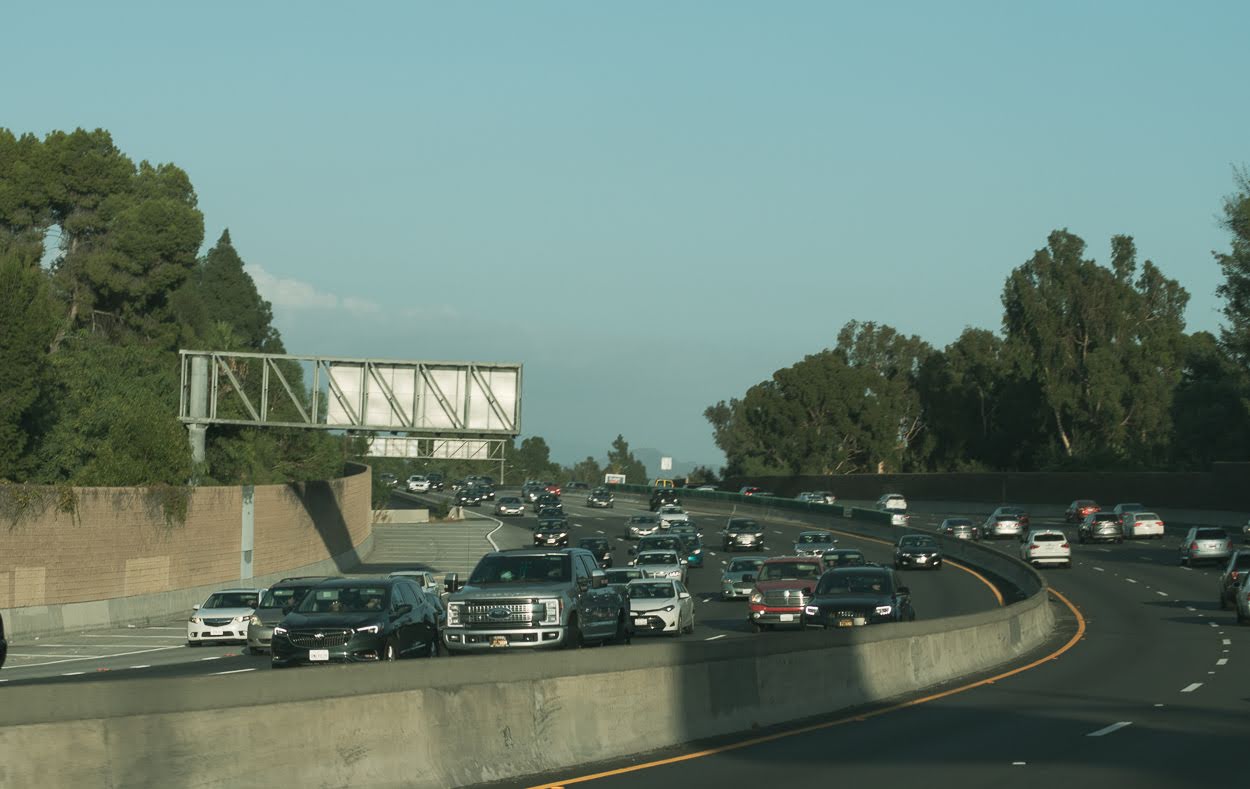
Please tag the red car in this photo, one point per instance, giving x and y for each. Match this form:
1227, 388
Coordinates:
1078, 509
782, 587
552, 487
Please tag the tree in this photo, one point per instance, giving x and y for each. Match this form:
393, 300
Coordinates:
221, 291
1209, 411
1235, 265
622, 461
27, 324
532, 460
1103, 349
588, 471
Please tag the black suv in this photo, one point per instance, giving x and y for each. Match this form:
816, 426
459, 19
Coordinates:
548, 500
469, 496
600, 547
854, 596
552, 533
357, 620
917, 550
436, 480
662, 496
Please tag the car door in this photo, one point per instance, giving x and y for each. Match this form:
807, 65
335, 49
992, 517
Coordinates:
598, 609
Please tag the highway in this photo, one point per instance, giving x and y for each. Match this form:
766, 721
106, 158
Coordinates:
159, 650
1153, 694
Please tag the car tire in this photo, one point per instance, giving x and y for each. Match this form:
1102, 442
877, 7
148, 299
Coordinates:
191, 643
1223, 603
756, 627
1184, 561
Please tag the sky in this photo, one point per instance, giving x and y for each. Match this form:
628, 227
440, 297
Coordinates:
655, 205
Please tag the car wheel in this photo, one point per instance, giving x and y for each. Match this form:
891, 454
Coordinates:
1184, 561
191, 643
756, 627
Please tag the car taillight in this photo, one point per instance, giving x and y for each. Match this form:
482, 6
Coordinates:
1065, 545
1230, 545
1193, 546
1033, 547
1236, 573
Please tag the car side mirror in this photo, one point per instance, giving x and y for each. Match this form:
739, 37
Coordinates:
452, 583
683, 596
403, 608
195, 607
598, 579
904, 590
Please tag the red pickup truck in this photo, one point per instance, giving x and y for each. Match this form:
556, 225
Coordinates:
782, 587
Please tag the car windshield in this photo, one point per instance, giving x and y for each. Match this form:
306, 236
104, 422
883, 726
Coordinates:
1211, 534
651, 590
742, 526
345, 600
1146, 516
509, 500
281, 598
854, 583
657, 558
1048, 538
643, 519
622, 576
787, 571
814, 539
661, 543
747, 565
231, 600
918, 542
593, 545
504, 569
958, 524
1006, 518
845, 559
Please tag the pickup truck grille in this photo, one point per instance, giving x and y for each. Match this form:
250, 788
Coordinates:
785, 598
501, 613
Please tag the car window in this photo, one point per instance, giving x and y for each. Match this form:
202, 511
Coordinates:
501, 568
345, 599
1048, 538
744, 565
854, 583
1211, 534
281, 598
789, 571
232, 600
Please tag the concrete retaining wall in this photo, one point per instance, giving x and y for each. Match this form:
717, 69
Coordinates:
117, 560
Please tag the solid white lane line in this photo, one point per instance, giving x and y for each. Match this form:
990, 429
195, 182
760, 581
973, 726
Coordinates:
713, 638
1186, 568
600, 531
1108, 729
145, 666
33, 655
236, 671
1099, 569
1130, 580
1191, 688
164, 628
129, 635
1222, 662
1213, 624
776, 532
214, 657
1190, 608
1105, 550
101, 657
73, 673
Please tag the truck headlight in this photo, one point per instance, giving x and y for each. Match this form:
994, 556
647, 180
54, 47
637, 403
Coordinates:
453, 614
757, 598
369, 629
552, 611
884, 610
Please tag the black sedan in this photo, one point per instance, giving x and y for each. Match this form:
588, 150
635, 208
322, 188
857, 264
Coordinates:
469, 496
552, 533
350, 620
662, 496
918, 551
600, 547
600, 497
548, 500
856, 596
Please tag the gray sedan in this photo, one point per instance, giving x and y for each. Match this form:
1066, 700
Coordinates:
738, 579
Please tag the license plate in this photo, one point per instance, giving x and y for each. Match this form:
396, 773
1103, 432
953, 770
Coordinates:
499, 641
846, 623
318, 655
787, 617
640, 622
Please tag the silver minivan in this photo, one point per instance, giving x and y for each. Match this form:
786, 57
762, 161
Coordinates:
1206, 544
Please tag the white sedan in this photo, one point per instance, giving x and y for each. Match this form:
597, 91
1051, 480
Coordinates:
223, 616
661, 606
1143, 525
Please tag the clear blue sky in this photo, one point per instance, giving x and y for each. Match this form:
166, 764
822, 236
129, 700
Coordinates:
655, 205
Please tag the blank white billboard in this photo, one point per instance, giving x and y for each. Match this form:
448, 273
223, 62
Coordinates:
444, 398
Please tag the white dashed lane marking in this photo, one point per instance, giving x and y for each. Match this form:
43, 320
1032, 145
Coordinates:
236, 671
1099, 569
713, 638
1162, 594
1222, 662
1108, 729
1130, 580
1228, 642
1191, 687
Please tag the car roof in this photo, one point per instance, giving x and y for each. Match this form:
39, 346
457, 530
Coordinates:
237, 590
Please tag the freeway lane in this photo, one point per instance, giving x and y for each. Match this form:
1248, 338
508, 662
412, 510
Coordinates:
936, 594
1154, 695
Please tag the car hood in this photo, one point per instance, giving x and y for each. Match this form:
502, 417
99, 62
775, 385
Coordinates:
508, 591
331, 621
854, 600
736, 577
798, 583
652, 604
270, 616
223, 613
658, 568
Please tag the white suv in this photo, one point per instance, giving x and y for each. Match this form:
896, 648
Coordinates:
418, 484
1046, 546
1142, 524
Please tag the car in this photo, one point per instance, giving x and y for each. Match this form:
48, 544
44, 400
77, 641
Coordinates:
1238, 565
389, 479
456, 485
552, 488
1123, 509
661, 482
663, 496
692, 545
576, 487
748, 490
895, 502
1205, 544
999, 525
4, 643
1100, 527
1241, 600
487, 492
960, 529
1077, 510
552, 533
813, 543
482, 480
824, 497
551, 513
1142, 524
548, 500
670, 514
737, 580
276, 602
917, 550
742, 533
509, 505
428, 584
1020, 513
783, 586
619, 577
1046, 546
806, 497
224, 616
351, 620
844, 557
660, 542
469, 496
661, 605
638, 526
436, 479
532, 489
417, 483
706, 488
684, 528
858, 596
601, 497
661, 564
600, 547
534, 599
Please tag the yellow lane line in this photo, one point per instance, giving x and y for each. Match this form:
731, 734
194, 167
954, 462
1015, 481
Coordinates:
1080, 633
